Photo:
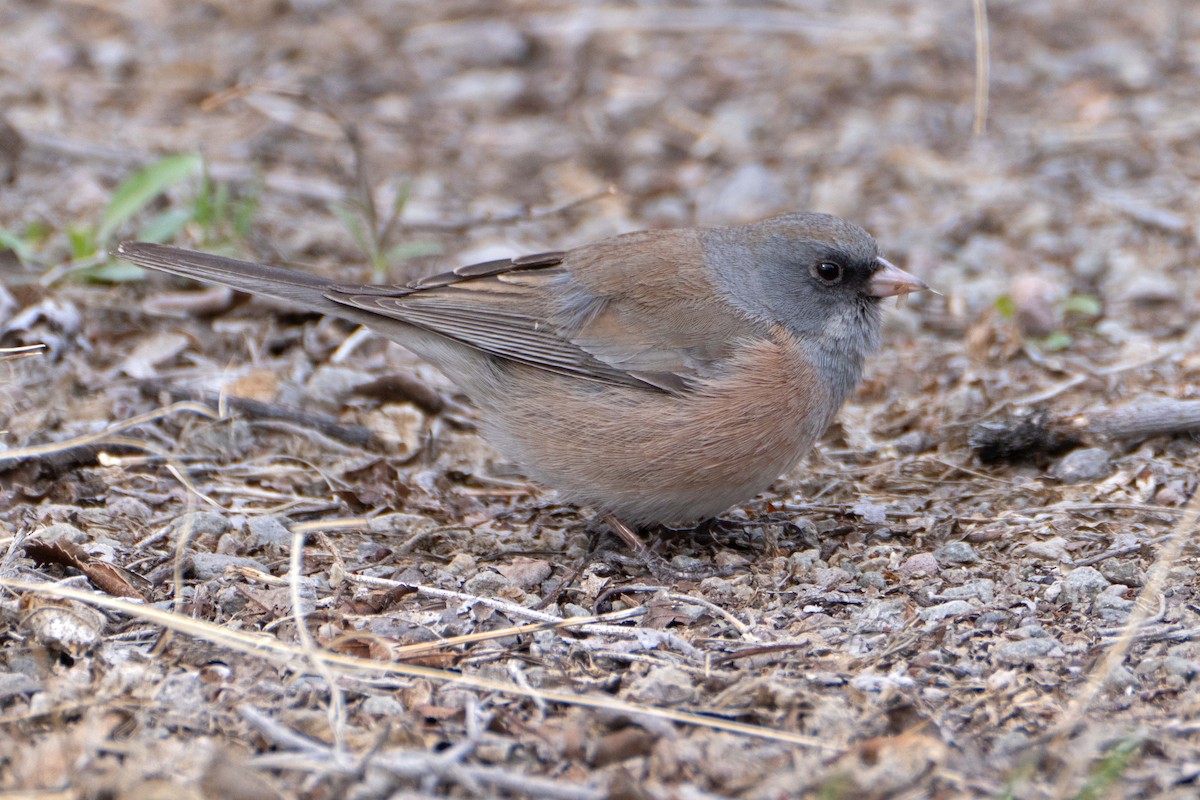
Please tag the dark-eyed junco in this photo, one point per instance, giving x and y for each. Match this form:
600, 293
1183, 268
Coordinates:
658, 377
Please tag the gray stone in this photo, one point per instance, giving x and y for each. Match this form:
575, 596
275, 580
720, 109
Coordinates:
880, 616
943, 610
61, 530
1111, 607
1086, 465
830, 577
1028, 651
919, 566
872, 580
912, 443
982, 589
383, 706
14, 683
488, 584
1185, 668
200, 523
1052, 549
268, 532
663, 686
1122, 570
1082, 585
1121, 678
956, 553
207, 566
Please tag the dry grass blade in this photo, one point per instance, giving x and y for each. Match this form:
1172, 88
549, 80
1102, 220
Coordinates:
36, 451
25, 351
982, 66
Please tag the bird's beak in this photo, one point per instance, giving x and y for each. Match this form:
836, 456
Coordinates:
890, 281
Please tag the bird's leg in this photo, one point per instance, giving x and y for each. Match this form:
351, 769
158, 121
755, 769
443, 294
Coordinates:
656, 564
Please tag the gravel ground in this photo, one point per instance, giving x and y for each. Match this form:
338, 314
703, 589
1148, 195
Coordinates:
980, 584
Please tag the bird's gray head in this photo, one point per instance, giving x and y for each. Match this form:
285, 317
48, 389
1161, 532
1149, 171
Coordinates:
819, 276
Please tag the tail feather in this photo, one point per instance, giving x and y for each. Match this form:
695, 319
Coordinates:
304, 289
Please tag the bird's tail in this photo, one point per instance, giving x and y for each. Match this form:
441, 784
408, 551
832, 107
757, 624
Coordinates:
301, 288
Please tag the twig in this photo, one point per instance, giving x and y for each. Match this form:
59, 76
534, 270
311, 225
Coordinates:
1141, 419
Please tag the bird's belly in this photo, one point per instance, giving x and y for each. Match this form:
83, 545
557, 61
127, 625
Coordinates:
649, 457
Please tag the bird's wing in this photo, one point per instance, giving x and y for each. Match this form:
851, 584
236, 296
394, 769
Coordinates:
526, 310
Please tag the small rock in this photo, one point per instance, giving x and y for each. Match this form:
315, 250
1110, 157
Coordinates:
805, 561
383, 706
461, 564
63, 530
401, 523
400, 426
1185, 668
956, 553
807, 535
830, 577
1121, 678
1028, 651
129, 507
207, 566
1030, 630
198, 524
1082, 585
992, 620
921, 565
526, 573
1122, 570
663, 686
943, 610
872, 513
872, 580
881, 616
488, 584
1052, 549
983, 589
267, 532
911, 443
489, 90
872, 681
484, 43
1086, 465
1111, 606
1037, 299
14, 683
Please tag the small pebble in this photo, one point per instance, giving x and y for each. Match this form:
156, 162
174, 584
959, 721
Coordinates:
1111, 606
920, 565
956, 553
663, 686
1053, 549
488, 584
1082, 585
1027, 651
943, 610
1086, 465
268, 532
983, 589
207, 566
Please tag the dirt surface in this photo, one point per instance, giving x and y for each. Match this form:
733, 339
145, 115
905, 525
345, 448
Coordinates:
899, 618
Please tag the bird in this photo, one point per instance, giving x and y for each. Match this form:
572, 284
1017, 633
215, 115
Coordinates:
657, 377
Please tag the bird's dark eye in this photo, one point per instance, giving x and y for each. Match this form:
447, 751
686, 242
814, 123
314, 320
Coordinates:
828, 272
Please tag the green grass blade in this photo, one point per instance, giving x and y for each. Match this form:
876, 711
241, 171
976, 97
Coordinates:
140, 189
